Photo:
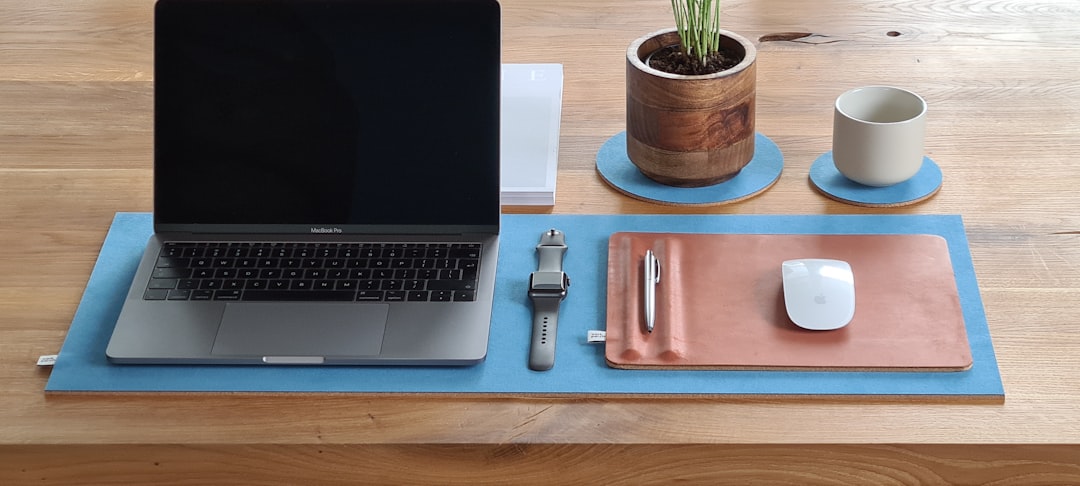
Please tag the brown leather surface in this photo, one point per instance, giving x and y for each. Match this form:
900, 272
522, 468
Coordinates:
720, 304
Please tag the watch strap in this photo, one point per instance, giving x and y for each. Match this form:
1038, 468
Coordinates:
545, 325
551, 249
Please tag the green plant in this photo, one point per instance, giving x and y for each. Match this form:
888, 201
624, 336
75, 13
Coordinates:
698, 23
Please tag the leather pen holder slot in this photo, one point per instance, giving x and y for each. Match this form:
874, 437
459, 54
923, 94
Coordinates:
668, 340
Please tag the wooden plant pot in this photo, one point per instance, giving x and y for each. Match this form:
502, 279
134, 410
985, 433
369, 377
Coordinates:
689, 131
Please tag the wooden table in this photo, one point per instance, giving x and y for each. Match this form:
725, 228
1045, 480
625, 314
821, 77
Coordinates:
1002, 78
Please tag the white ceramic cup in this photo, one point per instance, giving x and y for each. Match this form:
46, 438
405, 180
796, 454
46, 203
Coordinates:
878, 135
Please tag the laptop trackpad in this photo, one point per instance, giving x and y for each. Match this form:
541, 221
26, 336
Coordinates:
301, 329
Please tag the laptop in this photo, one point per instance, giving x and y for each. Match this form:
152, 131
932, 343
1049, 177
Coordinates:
326, 185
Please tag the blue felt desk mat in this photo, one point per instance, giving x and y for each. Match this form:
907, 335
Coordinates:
579, 366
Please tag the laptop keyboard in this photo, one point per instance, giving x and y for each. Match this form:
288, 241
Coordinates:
375, 272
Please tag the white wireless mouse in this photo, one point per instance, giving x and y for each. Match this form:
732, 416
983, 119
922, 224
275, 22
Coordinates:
819, 294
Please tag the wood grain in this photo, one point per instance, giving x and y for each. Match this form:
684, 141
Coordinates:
689, 131
549, 464
1001, 81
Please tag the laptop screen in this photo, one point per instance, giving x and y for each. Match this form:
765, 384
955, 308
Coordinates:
344, 113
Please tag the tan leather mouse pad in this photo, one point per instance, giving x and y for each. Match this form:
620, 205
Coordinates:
720, 304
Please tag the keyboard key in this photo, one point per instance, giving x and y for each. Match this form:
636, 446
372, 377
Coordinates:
417, 296
395, 295
167, 262
441, 296
155, 294
464, 295
171, 250
179, 294
285, 296
470, 253
227, 295
162, 283
451, 285
171, 272
369, 295
392, 285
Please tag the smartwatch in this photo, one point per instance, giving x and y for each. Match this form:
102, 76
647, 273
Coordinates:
547, 289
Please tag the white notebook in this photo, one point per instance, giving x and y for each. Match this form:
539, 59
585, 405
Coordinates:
531, 115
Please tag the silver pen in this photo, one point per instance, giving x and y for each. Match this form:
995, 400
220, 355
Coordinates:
652, 277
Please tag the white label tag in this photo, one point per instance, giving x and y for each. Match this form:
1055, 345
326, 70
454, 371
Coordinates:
597, 336
46, 360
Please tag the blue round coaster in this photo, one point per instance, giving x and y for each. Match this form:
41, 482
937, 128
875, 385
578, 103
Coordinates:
830, 182
760, 174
